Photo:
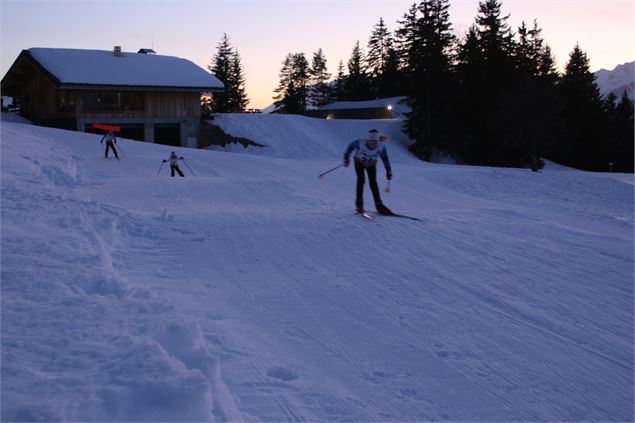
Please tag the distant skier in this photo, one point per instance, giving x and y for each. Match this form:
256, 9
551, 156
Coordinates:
110, 144
174, 164
367, 151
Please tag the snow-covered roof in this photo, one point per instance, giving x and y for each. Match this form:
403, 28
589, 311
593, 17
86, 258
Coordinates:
104, 68
368, 104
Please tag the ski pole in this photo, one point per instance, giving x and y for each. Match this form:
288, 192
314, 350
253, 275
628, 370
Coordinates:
388, 186
321, 176
121, 151
188, 166
160, 167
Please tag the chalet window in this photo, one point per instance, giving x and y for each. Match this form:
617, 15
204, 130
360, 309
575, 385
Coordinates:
65, 102
108, 101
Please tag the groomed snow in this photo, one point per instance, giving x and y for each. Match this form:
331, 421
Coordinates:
251, 292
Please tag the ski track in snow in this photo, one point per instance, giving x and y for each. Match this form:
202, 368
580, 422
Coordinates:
253, 293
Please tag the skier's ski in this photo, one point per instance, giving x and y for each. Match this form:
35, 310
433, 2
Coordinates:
402, 216
365, 215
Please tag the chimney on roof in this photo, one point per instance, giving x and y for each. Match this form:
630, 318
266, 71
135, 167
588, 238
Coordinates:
117, 51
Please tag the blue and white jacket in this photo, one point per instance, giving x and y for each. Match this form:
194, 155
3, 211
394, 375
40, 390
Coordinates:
366, 155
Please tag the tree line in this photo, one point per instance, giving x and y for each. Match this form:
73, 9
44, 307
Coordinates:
492, 96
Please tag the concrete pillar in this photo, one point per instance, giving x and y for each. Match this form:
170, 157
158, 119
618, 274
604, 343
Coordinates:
148, 132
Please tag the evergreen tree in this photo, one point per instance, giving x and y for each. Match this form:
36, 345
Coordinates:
621, 136
320, 93
488, 73
357, 82
221, 67
226, 66
469, 114
339, 87
547, 66
390, 83
583, 142
285, 82
495, 36
406, 37
379, 44
237, 95
431, 76
530, 51
383, 62
525, 120
292, 91
301, 78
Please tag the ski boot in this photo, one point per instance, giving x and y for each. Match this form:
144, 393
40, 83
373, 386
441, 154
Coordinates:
383, 210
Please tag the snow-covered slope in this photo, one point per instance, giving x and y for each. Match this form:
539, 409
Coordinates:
618, 80
251, 292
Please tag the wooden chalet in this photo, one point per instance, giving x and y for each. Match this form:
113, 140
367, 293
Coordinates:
150, 97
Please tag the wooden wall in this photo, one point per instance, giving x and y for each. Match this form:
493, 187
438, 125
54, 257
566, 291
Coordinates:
172, 104
38, 95
159, 104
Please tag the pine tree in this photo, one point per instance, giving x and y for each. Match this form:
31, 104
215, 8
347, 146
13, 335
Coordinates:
486, 70
378, 47
525, 120
406, 37
582, 144
621, 148
431, 79
226, 66
495, 36
320, 93
292, 92
285, 81
529, 51
547, 66
301, 79
237, 94
357, 82
221, 67
390, 83
339, 86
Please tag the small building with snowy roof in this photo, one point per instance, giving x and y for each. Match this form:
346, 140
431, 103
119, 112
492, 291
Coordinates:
381, 108
150, 97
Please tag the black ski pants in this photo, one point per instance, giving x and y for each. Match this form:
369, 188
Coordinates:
174, 168
372, 181
110, 145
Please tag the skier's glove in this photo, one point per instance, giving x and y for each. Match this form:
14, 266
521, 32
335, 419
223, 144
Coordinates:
346, 161
388, 174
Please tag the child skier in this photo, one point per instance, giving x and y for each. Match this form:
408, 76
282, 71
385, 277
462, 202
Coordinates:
368, 150
174, 164
110, 143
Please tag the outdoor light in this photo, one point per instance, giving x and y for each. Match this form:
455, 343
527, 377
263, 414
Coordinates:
389, 107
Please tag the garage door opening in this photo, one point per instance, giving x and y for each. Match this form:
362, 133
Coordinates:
167, 134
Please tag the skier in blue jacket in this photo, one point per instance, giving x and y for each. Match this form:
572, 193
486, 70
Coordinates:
367, 151
111, 140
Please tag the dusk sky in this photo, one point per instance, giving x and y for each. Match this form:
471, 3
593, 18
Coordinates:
264, 32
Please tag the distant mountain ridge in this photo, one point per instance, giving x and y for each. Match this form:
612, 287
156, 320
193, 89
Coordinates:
618, 80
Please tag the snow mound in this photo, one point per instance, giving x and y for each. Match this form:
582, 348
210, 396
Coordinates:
300, 137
